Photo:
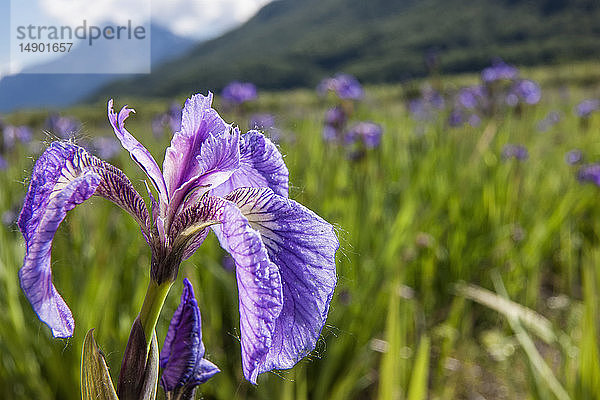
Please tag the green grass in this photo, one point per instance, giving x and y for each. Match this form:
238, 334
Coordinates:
419, 220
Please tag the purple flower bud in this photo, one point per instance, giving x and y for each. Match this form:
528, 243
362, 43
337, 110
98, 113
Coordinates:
182, 356
239, 92
3, 163
516, 151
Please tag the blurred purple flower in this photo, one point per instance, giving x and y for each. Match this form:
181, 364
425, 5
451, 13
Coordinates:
574, 157
239, 92
426, 106
367, 133
551, 119
345, 86
63, 127
589, 173
182, 356
171, 118
474, 120
587, 107
334, 124
499, 71
471, 97
526, 91
516, 151
12, 134
105, 147
3, 162
9, 217
456, 118
261, 121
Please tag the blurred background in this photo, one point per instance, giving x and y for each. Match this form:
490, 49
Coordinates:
454, 145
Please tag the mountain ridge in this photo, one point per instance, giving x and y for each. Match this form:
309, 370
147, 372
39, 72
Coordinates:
295, 43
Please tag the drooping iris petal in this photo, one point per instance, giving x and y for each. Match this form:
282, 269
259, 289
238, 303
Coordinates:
259, 287
182, 356
261, 165
38, 226
138, 152
64, 176
303, 247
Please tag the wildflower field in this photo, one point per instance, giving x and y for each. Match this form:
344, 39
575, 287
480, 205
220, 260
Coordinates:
469, 260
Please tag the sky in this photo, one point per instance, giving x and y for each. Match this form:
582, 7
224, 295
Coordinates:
197, 19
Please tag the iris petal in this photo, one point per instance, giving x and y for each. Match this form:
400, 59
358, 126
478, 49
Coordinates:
138, 152
36, 274
259, 288
261, 165
303, 247
198, 121
64, 176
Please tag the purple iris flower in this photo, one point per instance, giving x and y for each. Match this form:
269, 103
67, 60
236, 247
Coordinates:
471, 97
345, 86
589, 173
367, 133
516, 151
526, 91
239, 92
499, 71
549, 121
261, 121
63, 127
334, 124
171, 118
182, 356
12, 134
574, 157
587, 107
456, 118
215, 179
105, 147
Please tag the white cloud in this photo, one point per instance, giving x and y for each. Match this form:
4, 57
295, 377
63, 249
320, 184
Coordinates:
197, 18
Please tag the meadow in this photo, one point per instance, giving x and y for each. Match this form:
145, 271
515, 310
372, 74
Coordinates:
461, 275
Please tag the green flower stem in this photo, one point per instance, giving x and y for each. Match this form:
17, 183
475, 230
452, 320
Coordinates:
153, 303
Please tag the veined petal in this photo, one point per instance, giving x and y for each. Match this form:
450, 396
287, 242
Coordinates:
303, 246
64, 176
36, 274
261, 165
190, 227
182, 356
198, 121
138, 152
219, 157
259, 287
